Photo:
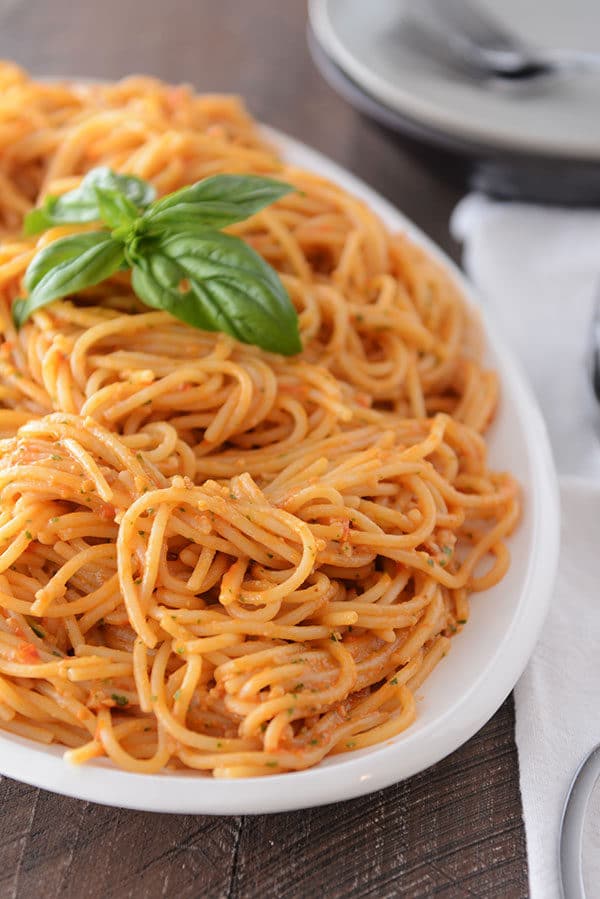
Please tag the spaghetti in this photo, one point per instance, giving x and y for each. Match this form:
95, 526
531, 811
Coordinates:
212, 557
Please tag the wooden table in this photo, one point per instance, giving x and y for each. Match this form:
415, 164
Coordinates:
454, 830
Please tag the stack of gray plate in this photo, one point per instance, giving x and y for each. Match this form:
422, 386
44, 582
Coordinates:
533, 139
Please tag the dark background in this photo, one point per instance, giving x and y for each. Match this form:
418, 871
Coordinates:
455, 830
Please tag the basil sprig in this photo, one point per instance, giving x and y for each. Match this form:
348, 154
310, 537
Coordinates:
178, 258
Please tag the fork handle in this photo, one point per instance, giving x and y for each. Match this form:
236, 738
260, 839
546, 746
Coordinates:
569, 59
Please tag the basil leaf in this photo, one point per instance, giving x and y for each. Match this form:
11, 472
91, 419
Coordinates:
216, 202
156, 282
115, 209
67, 266
81, 204
38, 219
141, 193
51, 213
63, 250
229, 288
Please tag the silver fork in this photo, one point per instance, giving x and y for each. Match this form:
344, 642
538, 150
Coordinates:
473, 37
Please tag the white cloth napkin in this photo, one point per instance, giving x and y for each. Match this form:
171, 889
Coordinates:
539, 271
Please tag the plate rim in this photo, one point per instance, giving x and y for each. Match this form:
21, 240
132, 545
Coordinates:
402, 124
358, 773
400, 102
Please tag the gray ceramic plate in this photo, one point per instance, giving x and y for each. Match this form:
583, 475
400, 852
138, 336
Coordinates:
502, 173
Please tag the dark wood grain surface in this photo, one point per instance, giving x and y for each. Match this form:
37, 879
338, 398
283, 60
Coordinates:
452, 831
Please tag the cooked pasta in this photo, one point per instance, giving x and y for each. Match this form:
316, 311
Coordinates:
213, 557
